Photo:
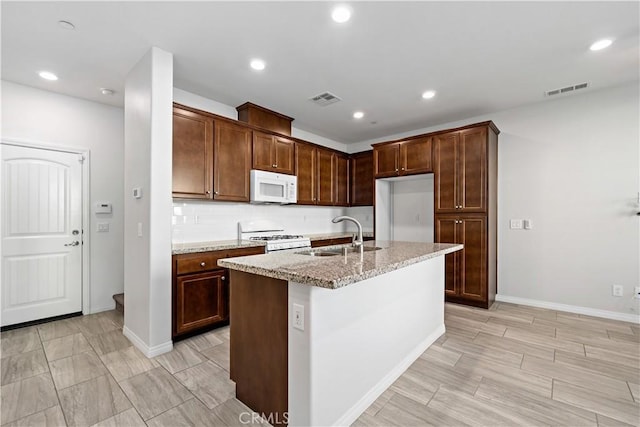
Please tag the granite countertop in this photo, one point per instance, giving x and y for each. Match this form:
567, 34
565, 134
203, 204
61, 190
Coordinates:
193, 247
337, 271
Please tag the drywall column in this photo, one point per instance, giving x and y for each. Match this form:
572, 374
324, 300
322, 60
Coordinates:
147, 227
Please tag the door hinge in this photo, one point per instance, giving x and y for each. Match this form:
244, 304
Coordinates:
81, 158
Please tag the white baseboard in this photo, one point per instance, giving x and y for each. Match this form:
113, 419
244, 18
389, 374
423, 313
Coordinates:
614, 315
356, 410
93, 310
150, 352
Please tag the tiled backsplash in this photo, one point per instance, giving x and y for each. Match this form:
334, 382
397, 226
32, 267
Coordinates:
208, 221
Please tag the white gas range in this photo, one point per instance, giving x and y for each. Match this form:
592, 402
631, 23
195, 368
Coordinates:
272, 234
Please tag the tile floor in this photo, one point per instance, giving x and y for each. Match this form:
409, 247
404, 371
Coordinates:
510, 365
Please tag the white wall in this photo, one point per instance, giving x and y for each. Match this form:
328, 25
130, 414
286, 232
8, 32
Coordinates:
413, 209
572, 165
147, 231
57, 120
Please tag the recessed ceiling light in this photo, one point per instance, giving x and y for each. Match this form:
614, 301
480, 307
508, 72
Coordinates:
47, 75
106, 91
601, 44
358, 115
341, 14
429, 94
67, 25
257, 64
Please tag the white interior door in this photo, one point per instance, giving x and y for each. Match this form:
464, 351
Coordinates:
41, 234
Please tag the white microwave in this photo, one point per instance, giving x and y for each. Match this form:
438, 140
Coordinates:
270, 187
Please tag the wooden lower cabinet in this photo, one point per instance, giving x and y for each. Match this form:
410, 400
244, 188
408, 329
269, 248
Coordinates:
467, 278
201, 290
201, 300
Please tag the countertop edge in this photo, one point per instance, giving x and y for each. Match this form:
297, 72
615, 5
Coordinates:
332, 284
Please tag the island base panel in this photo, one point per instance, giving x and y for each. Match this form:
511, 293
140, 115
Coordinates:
259, 344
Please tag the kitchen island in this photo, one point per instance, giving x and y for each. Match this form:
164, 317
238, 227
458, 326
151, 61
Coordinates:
317, 336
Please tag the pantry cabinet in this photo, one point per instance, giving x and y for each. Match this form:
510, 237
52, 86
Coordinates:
465, 205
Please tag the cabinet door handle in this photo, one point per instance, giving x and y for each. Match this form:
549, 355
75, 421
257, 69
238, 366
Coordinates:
402, 169
215, 192
202, 264
207, 192
274, 165
223, 278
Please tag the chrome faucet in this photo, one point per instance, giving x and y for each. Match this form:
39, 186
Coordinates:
357, 240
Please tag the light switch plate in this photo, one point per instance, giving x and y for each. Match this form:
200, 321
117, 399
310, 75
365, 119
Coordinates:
102, 227
528, 224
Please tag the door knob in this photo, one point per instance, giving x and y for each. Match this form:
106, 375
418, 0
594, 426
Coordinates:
75, 243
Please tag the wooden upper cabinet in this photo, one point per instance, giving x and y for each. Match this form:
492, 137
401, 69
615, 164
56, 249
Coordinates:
472, 170
306, 164
385, 160
326, 177
446, 172
409, 157
273, 153
361, 179
415, 156
232, 162
461, 171
192, 155
341, 180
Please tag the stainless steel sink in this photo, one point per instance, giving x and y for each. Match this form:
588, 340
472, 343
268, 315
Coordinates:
339, 251
319, 253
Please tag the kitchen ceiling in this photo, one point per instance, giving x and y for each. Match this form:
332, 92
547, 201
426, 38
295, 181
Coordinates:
479, 57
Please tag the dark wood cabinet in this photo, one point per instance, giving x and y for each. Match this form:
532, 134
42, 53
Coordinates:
306, 163
361, 178
409, 157
273, 153
201, 290
466, 270
323, 176
192, 155
461, 171
326, 177
341, 179
232, 162
465, 180
200, 300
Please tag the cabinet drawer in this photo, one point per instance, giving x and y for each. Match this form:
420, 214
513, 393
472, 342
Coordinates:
205, 261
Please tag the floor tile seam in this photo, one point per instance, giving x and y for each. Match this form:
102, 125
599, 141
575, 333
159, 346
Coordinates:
29, 376
593, 370
599, 396
166, 410
55, 388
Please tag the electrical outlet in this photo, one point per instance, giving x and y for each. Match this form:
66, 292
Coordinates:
298, 316
139, 229
636, 292
616, 290
515, 224
102, 227
527, 223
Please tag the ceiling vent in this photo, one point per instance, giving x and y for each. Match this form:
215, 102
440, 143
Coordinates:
567, 89
324, 99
